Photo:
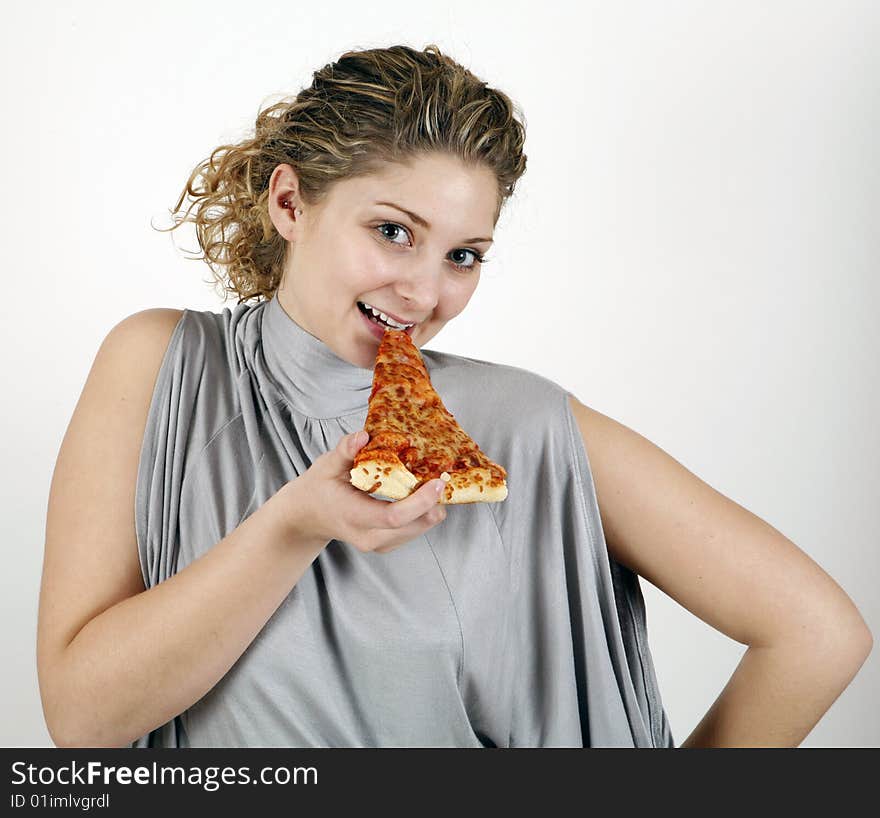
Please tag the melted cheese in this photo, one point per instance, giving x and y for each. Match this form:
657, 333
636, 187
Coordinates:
409, 425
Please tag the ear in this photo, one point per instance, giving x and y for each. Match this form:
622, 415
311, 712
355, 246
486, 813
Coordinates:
283, 201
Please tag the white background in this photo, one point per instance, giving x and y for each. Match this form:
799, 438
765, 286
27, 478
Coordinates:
693, 249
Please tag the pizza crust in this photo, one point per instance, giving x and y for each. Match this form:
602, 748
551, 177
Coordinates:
473, 486
394, 482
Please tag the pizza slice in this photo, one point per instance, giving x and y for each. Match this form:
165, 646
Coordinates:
414, 438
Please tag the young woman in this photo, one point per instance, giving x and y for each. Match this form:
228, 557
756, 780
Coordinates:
211, 577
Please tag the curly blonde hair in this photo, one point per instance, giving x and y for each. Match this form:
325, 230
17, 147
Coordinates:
368, 108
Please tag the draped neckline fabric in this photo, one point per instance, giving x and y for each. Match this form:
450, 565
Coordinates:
310, 375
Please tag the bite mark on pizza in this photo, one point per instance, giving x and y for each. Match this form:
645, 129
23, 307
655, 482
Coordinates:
415, 439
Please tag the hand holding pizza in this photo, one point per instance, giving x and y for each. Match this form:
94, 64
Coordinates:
328, 507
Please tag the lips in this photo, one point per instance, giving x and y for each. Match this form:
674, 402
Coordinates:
377, 321
395, 318
378, 329
368, 309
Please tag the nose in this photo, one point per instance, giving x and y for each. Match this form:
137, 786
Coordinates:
419, 288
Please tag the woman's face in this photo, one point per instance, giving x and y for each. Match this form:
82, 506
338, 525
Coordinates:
352, 249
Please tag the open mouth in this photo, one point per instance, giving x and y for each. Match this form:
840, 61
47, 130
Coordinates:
377, 319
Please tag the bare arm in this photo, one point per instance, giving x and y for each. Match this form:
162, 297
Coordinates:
806, 638
777, 694
151, 656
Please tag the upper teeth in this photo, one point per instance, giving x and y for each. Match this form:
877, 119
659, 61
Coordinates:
390, 321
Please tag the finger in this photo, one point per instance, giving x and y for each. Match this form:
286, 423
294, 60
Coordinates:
403, 512
348, 446
370, 513
358, 440
392, 538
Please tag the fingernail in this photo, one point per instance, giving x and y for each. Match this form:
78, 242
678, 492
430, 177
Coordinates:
438, 487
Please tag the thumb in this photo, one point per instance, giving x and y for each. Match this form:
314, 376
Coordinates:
353, 443
341, 457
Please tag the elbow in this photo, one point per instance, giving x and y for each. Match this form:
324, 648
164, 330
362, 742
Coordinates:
77, 733
856, 638
60, 735
836, 631
69, 721
847, 640
72, 740
864, 641
52, 716
64, 742
58, 739
60, 730
69, 730
857, 649
55, 709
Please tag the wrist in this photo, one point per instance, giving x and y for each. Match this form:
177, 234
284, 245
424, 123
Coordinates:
291, 517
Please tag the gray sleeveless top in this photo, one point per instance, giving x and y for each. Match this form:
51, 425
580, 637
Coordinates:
505, 625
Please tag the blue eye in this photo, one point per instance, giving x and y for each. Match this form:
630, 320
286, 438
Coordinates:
390, 224
478, 259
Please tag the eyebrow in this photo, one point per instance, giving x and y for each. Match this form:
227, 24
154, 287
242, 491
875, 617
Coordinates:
419, 220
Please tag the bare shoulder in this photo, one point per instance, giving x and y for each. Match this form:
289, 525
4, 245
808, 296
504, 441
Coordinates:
133, 350
91, 557
724, 564
129, 359
147, 329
